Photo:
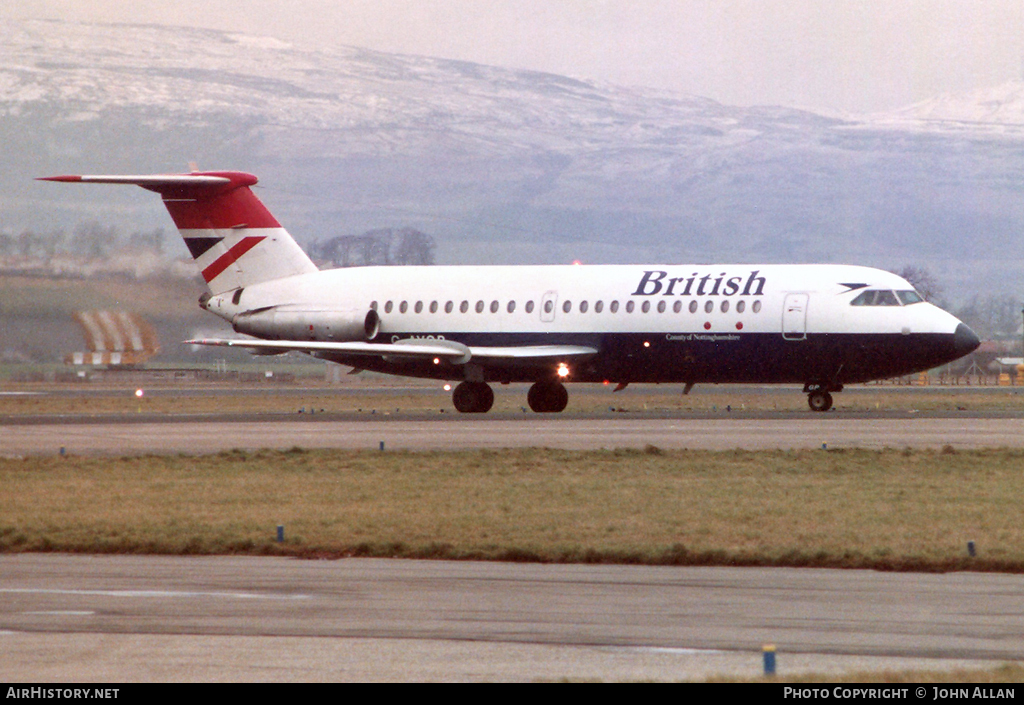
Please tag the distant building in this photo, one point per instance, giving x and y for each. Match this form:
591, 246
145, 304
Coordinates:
114, 339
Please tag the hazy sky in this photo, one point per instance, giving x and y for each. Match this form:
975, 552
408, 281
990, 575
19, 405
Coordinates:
845, 55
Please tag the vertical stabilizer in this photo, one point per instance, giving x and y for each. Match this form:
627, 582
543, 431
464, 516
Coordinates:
232, 236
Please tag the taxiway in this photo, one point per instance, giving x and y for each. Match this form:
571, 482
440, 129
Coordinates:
132, 436
135, 618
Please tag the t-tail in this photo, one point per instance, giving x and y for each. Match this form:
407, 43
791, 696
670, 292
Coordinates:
234, 239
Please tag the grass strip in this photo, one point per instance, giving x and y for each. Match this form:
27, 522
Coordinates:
890, 509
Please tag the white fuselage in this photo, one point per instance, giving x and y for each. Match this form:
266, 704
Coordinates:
664, 322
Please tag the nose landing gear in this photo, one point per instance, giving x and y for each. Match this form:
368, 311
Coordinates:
819, 400
819, 397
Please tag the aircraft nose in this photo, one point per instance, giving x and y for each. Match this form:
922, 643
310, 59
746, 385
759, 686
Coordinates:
965, 340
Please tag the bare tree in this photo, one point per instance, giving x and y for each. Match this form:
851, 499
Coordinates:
923, 281
143, 241
414, 247
993, 317
384, 246
95, 239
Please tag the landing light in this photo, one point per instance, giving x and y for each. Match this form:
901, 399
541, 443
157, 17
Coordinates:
447, 387
437, 361
563, 370
647, 344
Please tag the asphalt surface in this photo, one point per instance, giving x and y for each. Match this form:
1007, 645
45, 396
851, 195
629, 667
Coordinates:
135, 436
135, 618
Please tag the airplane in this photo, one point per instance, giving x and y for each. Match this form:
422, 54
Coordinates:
820, 325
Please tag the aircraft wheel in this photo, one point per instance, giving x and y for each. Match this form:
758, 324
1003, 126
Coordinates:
473, 397
547, 397
819, 400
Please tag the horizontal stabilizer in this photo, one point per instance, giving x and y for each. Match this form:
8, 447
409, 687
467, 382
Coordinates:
154, 182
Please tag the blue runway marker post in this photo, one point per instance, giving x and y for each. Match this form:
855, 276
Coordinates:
382, 445
769, 659
971, 551
280, 533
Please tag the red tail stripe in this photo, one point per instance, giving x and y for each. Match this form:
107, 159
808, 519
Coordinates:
195, 209
231, 256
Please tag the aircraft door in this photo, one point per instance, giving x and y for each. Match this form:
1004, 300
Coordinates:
794, 317
548, 304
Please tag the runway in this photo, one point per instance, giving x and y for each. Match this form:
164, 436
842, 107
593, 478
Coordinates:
130, 618
134, 618
132, 436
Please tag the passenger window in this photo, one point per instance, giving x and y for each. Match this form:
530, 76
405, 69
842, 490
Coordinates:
598, 306
403, 307
494, 306
479, 306
725, 306
677, 306
529, 307
419, 307
583, 307
661, 307
511, 306
433, 307
757, 307
693, 306
388, 306
549, 306
464, 306
613, 307
709, 307
373, 304
741, 306
646, 306
449, 306
630, 306
567, 306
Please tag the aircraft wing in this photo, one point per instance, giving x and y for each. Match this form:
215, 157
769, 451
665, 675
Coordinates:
453, 352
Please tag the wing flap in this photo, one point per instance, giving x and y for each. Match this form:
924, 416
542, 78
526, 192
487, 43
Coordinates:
532, 352
448, 350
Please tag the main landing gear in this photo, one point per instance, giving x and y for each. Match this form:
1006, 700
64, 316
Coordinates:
473, 397
547, 397
819, 398
478, 397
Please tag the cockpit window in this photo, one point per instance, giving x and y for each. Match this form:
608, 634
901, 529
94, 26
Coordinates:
884, 297
909, 297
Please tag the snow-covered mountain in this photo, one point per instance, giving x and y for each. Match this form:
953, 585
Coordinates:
503, 165
1001, 106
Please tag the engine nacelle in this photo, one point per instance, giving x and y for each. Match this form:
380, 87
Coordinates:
301, 323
